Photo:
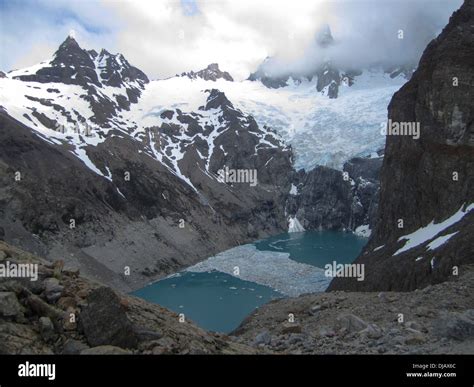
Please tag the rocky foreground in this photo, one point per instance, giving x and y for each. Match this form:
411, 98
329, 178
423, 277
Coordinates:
64, 313
438, 319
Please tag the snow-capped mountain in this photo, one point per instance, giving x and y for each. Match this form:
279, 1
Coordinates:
128, 156
210, 73
94, 143
109, 83
328, 114
320, 130
80, 98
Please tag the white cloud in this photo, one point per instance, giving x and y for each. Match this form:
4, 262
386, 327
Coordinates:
238, 35
162, 38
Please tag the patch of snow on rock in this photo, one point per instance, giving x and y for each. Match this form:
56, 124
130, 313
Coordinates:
294, 225
424, 234
293, 190
363, 231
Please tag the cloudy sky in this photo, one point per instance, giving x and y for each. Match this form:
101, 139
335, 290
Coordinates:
164, 37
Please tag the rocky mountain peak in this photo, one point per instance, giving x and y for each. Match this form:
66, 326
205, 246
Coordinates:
210, 73
93, 72
213, 67
324, 37
70, 64
115, 70
217, 100
69, 42
70, 53
73, 65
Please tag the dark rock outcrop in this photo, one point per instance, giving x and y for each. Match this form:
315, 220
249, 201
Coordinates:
364, 167
364, 174
426, 181
270, 81
337, 200
329, 80
104, 320
9, 306
324, 200
210, 73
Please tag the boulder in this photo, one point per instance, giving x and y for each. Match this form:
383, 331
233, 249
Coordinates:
21, 339
263, 338
66, 302
73, 347
372, 332
351, 323
46, 329
315, 310
143, 334
291, 328
105, 322
53, 290
326, 332
415, 337
9, 305
458, 326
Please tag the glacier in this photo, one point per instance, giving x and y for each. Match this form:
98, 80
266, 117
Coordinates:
321, 131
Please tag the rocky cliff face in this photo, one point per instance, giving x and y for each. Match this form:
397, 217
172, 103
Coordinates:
325, 198
425, 222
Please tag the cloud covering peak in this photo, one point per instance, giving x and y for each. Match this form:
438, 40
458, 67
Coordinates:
169, 37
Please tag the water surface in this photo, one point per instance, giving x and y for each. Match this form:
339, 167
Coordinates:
214, 299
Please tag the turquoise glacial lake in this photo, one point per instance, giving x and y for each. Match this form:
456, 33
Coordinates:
217, 298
